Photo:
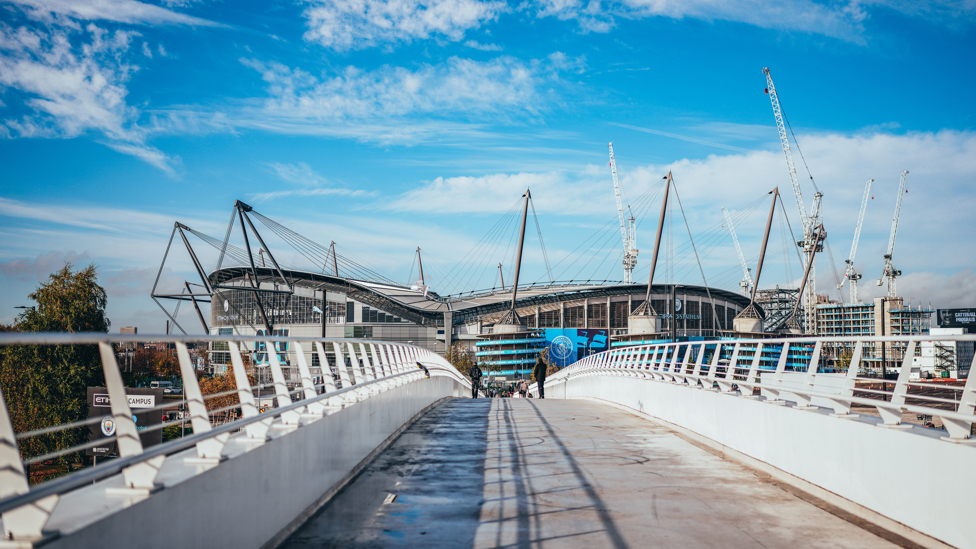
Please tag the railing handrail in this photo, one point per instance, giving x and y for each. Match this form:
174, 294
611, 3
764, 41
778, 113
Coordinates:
740, 372
374, 365
88, 476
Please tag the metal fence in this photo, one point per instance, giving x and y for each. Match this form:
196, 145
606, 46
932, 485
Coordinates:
776, 369
362, 369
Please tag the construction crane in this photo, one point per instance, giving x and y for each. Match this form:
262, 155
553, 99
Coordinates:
890, 272
849, 273
628, 228
746, 276
811, 244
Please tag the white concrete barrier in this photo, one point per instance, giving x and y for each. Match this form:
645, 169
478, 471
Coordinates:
254, 499
909, 476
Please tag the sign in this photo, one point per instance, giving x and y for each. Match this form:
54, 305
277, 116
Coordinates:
100, 405
957, 318
566, 346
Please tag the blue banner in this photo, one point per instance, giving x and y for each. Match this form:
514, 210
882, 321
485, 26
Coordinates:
566, 346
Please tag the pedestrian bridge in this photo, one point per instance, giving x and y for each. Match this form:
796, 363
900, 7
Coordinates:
695, 444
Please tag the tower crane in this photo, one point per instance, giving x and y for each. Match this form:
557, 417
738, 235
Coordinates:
849, 273
811, 244
746, 276
628, 233
890, 272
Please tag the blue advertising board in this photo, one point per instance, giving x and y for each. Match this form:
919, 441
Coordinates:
567, 345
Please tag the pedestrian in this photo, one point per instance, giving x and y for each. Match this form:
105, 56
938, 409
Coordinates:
523, 388
475, 374
540, 375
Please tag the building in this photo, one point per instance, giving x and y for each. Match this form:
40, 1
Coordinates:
577, 318
884, 316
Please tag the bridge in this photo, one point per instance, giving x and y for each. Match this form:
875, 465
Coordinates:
691, 444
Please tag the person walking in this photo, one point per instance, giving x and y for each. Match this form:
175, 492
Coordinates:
475, 374
540, 375
523, 388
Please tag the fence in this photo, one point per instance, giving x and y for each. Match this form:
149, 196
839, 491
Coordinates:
373, 368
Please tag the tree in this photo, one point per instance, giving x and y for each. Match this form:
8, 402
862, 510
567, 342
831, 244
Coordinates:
46, 385
460, 357
550, 367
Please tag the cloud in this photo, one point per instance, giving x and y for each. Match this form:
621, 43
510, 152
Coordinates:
383, 104
842, 20
263, 197
41, 266
119, 11
497, 193
943, 291
71, 88
300, 173
112, 220
483, 47
681, 137
357, 24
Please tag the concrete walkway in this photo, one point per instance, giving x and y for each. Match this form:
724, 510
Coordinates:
563, 473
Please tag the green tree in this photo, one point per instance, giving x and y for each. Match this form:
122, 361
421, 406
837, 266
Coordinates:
46, 385
460, 358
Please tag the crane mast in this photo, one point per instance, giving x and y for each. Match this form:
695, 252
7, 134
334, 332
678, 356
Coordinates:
746, 277
811, 244
890, 272
628, 234
849, 272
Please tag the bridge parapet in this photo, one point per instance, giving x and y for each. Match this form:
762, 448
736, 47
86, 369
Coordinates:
769, 403
261, 474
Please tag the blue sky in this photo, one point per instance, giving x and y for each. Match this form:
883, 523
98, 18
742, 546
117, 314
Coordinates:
387, 125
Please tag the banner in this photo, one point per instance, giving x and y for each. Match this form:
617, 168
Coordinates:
566, 345
957, 318
100, 405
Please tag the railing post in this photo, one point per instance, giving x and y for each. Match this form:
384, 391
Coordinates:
23, 523
341, 365
892, 414
699, 360
329, 383
255, 431
774, 388
139, 478
842, 403
314, 409
803, 401
281, 388
379, 359
208, 451
725, 382
357, 372
713, 367
959, 430
752, 378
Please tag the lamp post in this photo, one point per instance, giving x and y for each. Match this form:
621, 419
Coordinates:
884, 356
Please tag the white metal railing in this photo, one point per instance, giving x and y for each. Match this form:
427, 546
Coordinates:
756, 368
376, 367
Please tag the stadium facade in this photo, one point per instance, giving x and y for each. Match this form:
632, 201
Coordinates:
570, 320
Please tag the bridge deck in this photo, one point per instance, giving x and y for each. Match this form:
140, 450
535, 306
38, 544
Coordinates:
563, 473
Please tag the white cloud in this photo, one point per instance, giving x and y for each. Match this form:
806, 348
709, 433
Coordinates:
483, 47
836, 19
74, 88
941, 290
356, 24
263, 197
120, 11
146, 51
300, 173
383, 104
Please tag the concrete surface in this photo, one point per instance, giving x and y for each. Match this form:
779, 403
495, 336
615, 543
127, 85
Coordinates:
563, 473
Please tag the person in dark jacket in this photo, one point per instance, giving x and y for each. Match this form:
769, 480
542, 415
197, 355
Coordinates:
540, 375
475, 374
